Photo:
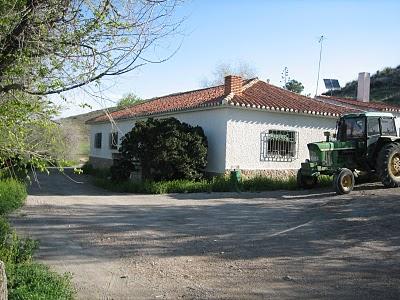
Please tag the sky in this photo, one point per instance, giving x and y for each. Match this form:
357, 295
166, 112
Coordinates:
360, 36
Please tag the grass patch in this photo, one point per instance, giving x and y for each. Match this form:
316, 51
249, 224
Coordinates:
37, 281
25, 279
12, 195
216, 184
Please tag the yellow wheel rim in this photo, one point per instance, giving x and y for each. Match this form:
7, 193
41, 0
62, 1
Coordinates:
347, 182
395, 165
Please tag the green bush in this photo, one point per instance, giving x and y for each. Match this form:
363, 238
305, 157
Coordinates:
216, 184
12, 195
166, 150
25, 279
36, 281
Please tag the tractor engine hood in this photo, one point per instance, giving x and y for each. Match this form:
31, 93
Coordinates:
324, 153
331, 146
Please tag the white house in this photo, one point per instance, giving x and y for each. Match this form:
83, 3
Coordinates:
250, 124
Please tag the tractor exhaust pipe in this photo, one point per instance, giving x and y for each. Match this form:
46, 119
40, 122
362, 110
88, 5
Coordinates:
327, 135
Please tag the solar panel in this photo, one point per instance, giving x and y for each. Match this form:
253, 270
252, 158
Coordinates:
331, 84
335, 83
328, 84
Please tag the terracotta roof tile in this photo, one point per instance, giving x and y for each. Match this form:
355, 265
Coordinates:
255, 94
264, 95
362, 105
179, 101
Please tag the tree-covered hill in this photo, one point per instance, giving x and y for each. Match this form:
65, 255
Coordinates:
385, 87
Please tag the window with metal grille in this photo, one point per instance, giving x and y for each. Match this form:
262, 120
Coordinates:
113, 140
279, 145
97, 140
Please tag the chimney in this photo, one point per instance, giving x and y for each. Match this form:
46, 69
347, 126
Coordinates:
363, 87
233, 84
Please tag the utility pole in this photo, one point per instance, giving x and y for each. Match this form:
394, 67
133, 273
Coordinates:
321, 39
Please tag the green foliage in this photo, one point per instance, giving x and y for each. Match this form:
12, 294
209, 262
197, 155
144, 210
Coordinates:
52, 46
294, 86
28, 135
25, 279
36, 281
385, 87
129, 100
216, 184
12, 195
166, 149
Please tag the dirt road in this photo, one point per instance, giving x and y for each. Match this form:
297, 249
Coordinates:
277, 245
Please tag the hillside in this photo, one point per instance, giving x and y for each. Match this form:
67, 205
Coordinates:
385, 87
76, 132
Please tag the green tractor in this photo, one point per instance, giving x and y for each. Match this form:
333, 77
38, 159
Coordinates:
366, 144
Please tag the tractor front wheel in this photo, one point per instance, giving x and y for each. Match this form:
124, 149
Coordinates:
388, 166
306, 182
343, 181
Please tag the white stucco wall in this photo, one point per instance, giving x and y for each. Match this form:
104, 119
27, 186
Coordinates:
213, 122
244, 129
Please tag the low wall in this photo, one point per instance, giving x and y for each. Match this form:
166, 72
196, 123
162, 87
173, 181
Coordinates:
268, 173
99, 162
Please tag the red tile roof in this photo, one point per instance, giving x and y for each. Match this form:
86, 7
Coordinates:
255, 94
370, 106
267, 96
173, 102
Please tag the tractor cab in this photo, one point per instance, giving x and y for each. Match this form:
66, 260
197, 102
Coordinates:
353, 127
365, 143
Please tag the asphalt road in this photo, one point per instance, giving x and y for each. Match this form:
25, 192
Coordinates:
276, 245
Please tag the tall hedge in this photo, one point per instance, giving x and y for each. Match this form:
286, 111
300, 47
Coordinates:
165, 148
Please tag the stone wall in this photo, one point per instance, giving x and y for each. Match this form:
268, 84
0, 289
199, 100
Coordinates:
281, 174
99, 162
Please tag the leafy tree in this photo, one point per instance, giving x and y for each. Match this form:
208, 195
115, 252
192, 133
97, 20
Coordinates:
294, 86
222, 70
52, 46
28, 135
128, 100
166, 149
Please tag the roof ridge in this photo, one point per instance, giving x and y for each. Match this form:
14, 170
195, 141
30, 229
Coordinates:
185, 92
343, 105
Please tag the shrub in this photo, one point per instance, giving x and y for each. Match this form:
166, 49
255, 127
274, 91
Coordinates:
166, 149
216, 184
36, 281
12, 195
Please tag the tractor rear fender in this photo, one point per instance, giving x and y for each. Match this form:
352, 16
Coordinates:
383, 140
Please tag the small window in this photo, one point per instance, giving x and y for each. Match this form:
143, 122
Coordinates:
97, 140
279, 145
388, 127
114, 140
373, 126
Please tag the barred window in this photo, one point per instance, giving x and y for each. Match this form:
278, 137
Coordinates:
279, 145
113, 142
97, 140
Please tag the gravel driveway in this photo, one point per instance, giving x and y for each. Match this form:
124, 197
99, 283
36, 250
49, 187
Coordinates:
276, 245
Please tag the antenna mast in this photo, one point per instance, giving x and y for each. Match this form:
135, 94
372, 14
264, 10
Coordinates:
321, 39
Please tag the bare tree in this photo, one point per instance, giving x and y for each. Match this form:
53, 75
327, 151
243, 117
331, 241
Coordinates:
242, 69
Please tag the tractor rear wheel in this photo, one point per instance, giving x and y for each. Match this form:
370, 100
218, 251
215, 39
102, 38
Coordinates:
306, 182
388, 166
343, 182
